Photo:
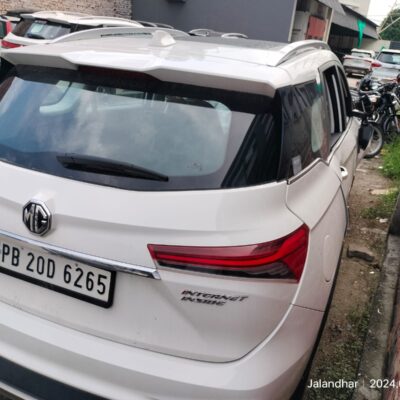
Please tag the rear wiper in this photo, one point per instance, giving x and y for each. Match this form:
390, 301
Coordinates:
98, 165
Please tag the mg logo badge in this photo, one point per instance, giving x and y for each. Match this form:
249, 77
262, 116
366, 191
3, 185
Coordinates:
36, 217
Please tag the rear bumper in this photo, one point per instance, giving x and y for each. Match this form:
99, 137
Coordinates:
48, 361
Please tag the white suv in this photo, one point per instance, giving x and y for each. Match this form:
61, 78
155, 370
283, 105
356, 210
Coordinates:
173, 210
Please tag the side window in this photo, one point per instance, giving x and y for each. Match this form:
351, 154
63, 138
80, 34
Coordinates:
337, 97
305, 127
346, 92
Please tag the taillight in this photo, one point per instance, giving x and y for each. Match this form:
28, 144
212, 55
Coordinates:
5, 44
279, 259
376, 64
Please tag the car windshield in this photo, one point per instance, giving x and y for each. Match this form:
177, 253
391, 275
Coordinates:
389, 58
41, 29
191, 135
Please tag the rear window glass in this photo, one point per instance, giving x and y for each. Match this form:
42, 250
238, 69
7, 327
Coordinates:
361, 55
195, 137
389, 58
41, 29
306, 127
3, 29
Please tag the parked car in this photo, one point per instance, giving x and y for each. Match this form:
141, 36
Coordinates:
8, 21
358, 62
173, 211
44, 26
386, 67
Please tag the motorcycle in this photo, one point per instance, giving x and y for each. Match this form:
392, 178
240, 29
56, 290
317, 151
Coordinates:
383, 107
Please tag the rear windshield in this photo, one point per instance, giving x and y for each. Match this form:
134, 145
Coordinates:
41, 29
361, 55
3, 29
184, 137
389, 58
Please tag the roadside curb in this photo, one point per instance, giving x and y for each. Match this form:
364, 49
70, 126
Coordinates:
394, 228
373, 364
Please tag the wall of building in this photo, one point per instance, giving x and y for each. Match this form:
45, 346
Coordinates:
305, 11
361, 6
118, 8
256, 18
376, 45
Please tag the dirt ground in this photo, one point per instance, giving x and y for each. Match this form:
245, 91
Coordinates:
339, 351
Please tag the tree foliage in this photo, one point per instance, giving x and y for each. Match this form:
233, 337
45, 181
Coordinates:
393, 31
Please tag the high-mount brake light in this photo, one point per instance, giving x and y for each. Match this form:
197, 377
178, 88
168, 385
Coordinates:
283, 258
5, 44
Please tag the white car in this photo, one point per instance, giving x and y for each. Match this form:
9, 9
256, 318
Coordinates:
44, 26
386, 67
358, 62
173, 210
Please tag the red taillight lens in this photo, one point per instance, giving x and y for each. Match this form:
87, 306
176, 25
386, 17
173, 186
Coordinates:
280, 259
8, 45
376, 64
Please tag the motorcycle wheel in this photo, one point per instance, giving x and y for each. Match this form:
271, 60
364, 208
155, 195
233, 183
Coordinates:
376, 143
390, 127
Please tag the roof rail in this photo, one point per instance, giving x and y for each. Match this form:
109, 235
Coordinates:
117, 32
155, 24
105, 17
234, 35
293, 49
205, 32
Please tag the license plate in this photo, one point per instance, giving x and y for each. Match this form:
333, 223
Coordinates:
76, 279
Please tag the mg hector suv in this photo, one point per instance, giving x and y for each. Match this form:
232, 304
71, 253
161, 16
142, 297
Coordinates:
173, 210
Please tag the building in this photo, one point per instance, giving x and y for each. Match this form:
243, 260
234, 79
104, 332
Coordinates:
283, 20
118, 8
345, 32
360, 6
279, 20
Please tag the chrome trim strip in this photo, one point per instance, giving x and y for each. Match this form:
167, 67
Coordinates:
110, 265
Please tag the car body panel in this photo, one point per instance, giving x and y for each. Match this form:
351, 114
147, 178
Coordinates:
346, 152
95, 225
139, 374
324, 211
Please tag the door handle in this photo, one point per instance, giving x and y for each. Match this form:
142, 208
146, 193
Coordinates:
344, 173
